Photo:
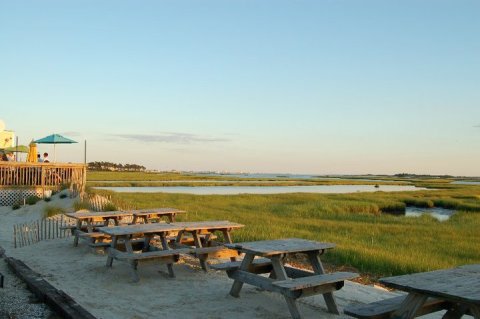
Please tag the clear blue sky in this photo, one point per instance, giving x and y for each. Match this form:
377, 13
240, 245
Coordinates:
318, 86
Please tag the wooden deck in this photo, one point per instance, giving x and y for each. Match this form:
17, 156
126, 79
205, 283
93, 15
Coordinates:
42, 175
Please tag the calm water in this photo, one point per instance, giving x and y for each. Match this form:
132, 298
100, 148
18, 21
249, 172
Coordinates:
234, 190
466, 183
295, 177
441, 214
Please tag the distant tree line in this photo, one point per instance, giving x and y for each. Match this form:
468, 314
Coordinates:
107, 166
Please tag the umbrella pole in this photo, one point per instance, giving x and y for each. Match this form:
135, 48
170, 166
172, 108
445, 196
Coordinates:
54, 153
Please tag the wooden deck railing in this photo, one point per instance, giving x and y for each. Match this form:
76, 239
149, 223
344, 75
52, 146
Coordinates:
42, 175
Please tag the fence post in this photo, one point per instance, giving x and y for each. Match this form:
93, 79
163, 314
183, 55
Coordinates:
14, 236
38, 231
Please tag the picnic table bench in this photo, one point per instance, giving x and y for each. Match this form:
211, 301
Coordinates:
384, 309
151, 214
203, 235
291, 282
457, 290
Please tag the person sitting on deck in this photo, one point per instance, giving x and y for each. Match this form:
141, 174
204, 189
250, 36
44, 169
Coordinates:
10, 157
45, 158
39, 158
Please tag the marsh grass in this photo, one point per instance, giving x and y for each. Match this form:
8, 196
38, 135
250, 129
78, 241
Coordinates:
367, 238
142, 179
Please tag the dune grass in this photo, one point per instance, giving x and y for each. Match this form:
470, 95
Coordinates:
367, 238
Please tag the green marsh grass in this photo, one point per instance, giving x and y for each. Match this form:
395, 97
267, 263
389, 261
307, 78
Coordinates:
367, 238
142, 179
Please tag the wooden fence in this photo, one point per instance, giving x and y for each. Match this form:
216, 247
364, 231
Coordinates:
49, 228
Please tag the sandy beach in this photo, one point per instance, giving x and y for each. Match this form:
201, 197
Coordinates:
109, 293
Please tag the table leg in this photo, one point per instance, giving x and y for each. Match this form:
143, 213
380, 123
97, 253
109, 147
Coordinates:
228, 239
409, 307
178, 240
237, 285
281, 274
475, 310
146, 242
165, 247
128, 244
89, 226
318, 269
198, 244
456, 312
77, 230
134, 220
171, 218
133, 263
113, 246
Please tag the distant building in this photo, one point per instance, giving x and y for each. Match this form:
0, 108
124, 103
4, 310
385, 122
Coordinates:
7, 138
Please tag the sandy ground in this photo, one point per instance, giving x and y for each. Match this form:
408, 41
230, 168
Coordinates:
109, 292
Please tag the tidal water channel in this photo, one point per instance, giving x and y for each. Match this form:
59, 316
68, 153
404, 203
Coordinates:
235, 190
441, 214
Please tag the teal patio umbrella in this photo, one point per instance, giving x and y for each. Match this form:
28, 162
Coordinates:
55, 139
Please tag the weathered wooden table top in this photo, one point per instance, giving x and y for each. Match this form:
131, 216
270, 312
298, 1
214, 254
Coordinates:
89, 214
214, 224
139, 228
160, 211
280, 246
458, 284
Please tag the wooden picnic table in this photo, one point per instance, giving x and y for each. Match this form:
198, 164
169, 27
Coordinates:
203, 234
460, 287
93, 220
147, 215
125, 235
291, 282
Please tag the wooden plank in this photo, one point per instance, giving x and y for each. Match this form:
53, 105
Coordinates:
37, 226
89, 214
259, 263
460, 284
409, 307
317, 266
158, 211
93, 235
207, 225
280, 246
242, 277
238, 282
150, 254
14, 236
138, 229
315, 280
208, 250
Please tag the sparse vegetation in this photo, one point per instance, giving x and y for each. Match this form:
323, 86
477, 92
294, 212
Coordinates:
32, 200
109, 207
50, 211
79, 205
